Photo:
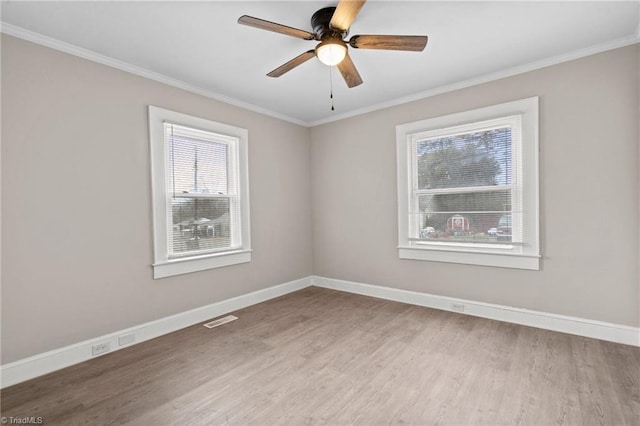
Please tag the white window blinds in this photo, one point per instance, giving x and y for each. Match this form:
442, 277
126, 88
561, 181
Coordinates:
465, 188
202, 182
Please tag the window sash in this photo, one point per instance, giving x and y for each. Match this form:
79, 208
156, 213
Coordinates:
203, 196
514, 122
173, 131
464, 189
235, 230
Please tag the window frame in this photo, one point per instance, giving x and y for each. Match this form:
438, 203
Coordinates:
525, 155
164, 265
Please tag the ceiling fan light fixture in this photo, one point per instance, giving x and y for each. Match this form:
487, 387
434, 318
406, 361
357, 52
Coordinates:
331, 52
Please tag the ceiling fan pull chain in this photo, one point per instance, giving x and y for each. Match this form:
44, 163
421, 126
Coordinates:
331, 86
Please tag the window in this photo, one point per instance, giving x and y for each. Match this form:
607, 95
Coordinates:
468, 187
200, 193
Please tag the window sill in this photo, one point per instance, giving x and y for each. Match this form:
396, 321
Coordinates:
194, 264
500, 260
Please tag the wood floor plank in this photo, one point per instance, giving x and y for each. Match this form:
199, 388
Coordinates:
487, 378
541, 387
324, 357
599, 404
625, 381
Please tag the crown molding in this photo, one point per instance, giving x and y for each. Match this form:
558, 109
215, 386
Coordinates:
532, 66
72, 49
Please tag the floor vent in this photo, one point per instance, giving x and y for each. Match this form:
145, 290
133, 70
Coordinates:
220, 321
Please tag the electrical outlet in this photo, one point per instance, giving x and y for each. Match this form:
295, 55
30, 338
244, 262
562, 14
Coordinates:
100, 348
126, 339
458, 307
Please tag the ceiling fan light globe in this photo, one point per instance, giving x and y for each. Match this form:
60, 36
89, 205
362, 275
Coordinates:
331, 53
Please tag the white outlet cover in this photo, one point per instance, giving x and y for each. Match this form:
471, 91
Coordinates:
100, 348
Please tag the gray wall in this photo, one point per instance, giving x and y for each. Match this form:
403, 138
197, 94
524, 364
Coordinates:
589, 194
77, 234
76, 221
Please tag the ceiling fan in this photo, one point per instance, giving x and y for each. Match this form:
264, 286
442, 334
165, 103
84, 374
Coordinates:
330, 27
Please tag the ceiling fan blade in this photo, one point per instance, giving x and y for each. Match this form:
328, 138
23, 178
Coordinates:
389, 42
278, 28
349, 72
345, 13
300, 59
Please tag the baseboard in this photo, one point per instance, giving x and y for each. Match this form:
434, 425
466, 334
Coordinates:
565, 324
38, 365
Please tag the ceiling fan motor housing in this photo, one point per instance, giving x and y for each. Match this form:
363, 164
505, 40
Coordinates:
321, 28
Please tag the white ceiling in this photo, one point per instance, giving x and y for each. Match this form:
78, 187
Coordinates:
201, 45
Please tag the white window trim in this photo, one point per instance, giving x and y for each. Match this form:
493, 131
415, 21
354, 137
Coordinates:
507, 256
162, 265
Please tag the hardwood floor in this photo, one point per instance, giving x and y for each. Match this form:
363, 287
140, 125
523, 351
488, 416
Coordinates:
319, 356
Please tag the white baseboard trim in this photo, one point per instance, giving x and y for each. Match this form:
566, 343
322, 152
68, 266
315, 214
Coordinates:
572, 325
38, 365
47, 362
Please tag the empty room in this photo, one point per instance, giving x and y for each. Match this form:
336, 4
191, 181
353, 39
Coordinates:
320, 212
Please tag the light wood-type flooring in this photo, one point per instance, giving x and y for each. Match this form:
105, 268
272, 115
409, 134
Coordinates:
319, 356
